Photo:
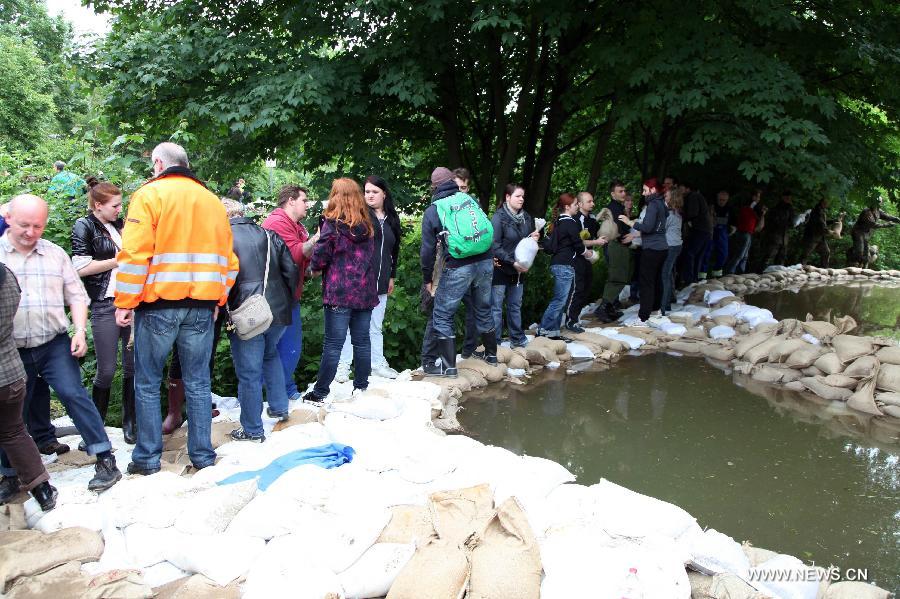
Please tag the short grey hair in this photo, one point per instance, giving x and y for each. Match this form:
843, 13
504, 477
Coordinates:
59, 165
233, 208
170, 154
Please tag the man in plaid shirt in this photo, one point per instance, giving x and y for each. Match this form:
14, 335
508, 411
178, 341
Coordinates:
49, 282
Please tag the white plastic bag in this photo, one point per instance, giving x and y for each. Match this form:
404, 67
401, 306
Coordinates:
526, 250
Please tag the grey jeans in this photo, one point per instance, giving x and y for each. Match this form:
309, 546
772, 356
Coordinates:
107, 335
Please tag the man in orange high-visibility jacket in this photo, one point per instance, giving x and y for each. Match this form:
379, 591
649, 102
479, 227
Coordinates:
176, 268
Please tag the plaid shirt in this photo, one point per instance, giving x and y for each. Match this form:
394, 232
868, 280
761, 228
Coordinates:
49, 282
11, 368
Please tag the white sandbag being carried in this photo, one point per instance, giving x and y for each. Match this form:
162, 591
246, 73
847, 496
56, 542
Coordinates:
374, 572
525, 252
608, 226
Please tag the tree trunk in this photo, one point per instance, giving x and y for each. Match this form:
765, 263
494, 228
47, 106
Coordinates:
600, 152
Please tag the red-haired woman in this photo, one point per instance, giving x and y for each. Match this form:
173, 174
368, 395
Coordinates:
343, 255
566, 245
96, 239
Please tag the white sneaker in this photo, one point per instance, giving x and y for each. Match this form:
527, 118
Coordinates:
385, 371
343, 373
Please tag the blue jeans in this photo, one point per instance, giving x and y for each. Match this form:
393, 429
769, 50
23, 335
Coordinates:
563, 277
256, 359
36, 411
289, 348
737, 262
511, 295
668, 277
694, 248
720, 245
53, 362
338, 320
453, 285
155, 332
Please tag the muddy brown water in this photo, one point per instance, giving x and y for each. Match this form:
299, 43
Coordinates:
787, 471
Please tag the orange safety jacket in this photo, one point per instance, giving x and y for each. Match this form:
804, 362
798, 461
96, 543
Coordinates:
176, 245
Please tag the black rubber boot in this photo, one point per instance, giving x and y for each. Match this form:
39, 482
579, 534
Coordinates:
489, 340
446, 347
128, 420
45, 494
602, 313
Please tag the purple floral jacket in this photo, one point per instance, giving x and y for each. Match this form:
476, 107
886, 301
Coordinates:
345, 257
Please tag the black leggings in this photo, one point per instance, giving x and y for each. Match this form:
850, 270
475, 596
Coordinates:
651, 280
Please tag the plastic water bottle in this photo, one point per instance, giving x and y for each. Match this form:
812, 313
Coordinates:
631, 588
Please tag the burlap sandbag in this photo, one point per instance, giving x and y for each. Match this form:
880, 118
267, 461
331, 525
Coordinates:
768, 374
850, 347
757, 555
745, 368
564, 357
409, 523
721, 586
889, 377
532, 355
68, 581
791, 327
825, 391
840, 380
889, 355
506, 561
517, 362
862, 367
890, 410
845, 324
768, 327
504, 354
804, 357
812, 371
476, 381
457, 514
36, 553
780, 352
599, 340
724, 353
829, 363
687, 347
608, 226
819, 329
438, 570
889, 398
794, 386
725, 321
727, 300
698, 333
197, 587
491, 372
558, 346
760, 353
863, 399
749, 342
855, 590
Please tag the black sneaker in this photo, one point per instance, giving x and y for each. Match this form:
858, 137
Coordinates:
9, 488
106, 474
282, 416
240, 434
46, 495
135, 469
313, 399
574, 327
53, 447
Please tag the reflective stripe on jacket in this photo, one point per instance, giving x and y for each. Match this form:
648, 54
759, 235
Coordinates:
177, 244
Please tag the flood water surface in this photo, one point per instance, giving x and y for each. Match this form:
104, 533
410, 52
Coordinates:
802, 477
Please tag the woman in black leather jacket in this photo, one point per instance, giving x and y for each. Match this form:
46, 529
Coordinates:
96, 239
257, 359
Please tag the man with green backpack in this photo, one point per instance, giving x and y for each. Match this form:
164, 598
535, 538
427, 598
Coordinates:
465, 234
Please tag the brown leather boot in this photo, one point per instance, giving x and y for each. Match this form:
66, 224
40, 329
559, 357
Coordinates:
176, 400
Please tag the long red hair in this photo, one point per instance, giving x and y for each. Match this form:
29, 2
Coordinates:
346, 204
565, 199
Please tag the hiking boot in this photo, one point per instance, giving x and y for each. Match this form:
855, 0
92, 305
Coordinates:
343, 373
312, 399
240, 434
574, 327
45, 494
135, 469
52, 447
282, 416
489, 341
9, 488
105, 474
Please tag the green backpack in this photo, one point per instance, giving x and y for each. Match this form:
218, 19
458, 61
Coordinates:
469, 231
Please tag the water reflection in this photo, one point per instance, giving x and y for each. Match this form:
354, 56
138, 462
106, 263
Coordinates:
682, 430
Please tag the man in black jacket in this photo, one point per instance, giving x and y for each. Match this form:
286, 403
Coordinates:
698, 233
779, 222
584, 269
457, 276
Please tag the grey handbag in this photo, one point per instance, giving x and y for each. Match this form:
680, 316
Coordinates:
254, 316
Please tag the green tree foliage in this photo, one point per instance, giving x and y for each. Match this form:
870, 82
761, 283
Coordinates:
776, 92
26, 105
